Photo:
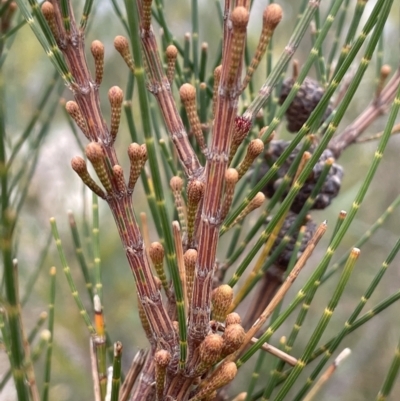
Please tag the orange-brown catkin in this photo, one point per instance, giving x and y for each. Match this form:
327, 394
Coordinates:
115, 97
97, 49
221, 299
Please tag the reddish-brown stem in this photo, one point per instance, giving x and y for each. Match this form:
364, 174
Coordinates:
86, 95
377, 107
160, 87
217, 163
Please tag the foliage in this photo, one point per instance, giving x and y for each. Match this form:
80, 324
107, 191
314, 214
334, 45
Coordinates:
216, 287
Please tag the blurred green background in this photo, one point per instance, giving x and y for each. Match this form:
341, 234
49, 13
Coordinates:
55, 188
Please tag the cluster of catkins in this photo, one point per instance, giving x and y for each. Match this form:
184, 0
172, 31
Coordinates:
307, 98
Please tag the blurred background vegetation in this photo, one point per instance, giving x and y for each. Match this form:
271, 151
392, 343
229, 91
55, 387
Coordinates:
55, 188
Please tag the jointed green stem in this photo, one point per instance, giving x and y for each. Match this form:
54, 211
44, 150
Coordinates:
70, 280
363, 239
47, 370
334, 345
96, 247
391, 376
319, 330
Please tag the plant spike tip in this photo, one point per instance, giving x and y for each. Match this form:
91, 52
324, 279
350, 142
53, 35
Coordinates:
115, 97
231, 178
95, 154
224, 375
171, 54
188, 97
162, 359
49, 15
75, 113
79, 166
241, 129
190, 257
217, 79
119, 179
195, 191
156, 253
232, 318
384, 73
272, 15
121, 44
146, 10
176, 184
233, 337
209, 353
255, 203
137, 156
239, 18
97, 49
221, 299
254, 149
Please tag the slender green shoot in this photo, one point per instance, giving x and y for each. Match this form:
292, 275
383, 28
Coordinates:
71, 283
47, 369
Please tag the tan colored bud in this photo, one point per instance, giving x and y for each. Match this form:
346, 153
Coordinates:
221, 299
256, 146
79, 166
231, 176
119, 178
121, 44
385, 71
162, 358
176, 184
233, 338
187, 93
97, 49
195, 191
95, 154
156, 252
224, 375
146, 11
240, 18
171, 51
135, 153
171, 54
272, 16
210, 349
115, 97
49, 14
232, 318
74, 111
189, 258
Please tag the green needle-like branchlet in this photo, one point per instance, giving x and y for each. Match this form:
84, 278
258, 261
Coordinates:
116, 372
334, 345
363, 239
391, 376
98, 288
321, 326
71, 283
85, 14
6, 338
79, 252
45, 37
50, 327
